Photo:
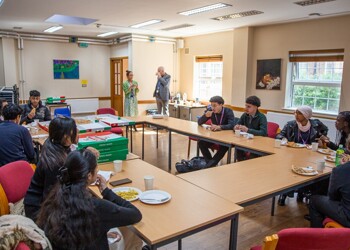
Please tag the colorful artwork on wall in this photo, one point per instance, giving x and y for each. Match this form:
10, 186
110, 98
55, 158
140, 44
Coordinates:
268, 74
65, 69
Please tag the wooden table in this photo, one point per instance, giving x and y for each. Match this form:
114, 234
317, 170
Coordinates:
190, 210
251, 181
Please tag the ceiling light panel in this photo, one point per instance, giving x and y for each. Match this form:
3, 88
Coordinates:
238, 15
108, 34
181, 26
204, 9
53, 29
312, 2
150, 22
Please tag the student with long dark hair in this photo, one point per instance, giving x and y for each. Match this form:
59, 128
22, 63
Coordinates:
72, 218
62, 134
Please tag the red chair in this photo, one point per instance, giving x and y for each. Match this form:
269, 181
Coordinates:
22, 246
15, 178
308, 239
329, 223
272, 129
110, 111
214, 147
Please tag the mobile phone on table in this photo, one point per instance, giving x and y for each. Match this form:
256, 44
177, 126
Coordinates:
120, 182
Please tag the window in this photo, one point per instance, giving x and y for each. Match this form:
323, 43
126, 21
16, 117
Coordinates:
316, 80
207, 77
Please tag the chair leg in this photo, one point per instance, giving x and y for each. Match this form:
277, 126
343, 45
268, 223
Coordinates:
189, 148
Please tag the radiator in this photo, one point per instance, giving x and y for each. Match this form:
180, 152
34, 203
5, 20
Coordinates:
281, 119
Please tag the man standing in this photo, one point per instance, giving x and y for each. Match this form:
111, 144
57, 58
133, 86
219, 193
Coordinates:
161, 92
34, 109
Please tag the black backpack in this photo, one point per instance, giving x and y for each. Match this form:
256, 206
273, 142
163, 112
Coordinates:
196, 163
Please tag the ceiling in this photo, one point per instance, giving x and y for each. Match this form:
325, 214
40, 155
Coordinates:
118, 15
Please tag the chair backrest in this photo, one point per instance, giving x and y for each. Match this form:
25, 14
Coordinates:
272, 129
62, 111
314, 238
15, 178
104, 111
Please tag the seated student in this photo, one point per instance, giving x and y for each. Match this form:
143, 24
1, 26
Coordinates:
342, 124
72, 218
3, 103
62, 134
305, 131
252, 122
16, 142
337, 204
34, 109
221, 119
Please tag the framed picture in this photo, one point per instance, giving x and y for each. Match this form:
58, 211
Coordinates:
268, 74
65, 69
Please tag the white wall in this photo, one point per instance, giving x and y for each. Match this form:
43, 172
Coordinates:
93, 66
10, 56
2, 73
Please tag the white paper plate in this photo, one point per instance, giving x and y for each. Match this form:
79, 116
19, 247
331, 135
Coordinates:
155, 197
125, 189
325, 151
297, 145
243, 133
314, 172
157, 116
331, 159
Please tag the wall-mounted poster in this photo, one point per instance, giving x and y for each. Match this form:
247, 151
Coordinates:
65, 69
268, 74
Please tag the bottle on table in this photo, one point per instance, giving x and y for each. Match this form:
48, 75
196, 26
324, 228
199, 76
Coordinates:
339, 153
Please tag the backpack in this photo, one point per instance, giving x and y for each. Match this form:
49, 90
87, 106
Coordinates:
196, 163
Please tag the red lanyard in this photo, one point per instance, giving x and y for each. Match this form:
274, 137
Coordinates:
222, 116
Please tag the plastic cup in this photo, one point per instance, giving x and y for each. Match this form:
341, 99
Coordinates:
314, 146
278, 143
321, 164
238, 133
149, 179
118, 166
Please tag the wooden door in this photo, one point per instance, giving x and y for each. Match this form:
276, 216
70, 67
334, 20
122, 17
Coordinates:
117, 78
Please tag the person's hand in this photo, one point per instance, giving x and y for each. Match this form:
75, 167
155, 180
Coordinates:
94, 151
115, 236
243, 128
208, 113
101, 183
31, 114
236, 127
215, 127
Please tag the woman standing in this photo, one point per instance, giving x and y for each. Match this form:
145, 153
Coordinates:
131, 89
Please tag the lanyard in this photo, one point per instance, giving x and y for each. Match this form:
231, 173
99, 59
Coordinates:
222, 116
301, 137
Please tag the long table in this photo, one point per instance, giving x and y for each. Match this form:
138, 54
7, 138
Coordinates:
190, 210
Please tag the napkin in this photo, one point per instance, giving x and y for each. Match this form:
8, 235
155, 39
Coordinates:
105, 174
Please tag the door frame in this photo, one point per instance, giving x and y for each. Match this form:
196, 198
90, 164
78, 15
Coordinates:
112, 85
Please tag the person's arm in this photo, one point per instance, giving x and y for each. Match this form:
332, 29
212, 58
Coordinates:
137, 87
332, 145
333, 189
126, 88
164, 80
262, 131
203, 119
230, 120
24, 117
27, 143
47, 115
283, 133
115, 211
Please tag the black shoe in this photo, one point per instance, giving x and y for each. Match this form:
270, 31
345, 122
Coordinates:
300, 197
307, 217
282, 200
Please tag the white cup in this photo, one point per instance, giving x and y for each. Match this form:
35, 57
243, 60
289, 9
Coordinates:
149, 179
314, 146
278, 143
250, 136
118, 166
321, 164
238, 133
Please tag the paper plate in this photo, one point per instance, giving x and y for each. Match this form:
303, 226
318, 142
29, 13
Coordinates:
155, 197
123, 192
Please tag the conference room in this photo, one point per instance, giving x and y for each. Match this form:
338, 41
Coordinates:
174, 125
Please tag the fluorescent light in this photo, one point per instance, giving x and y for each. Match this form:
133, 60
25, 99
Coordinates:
1, 2
108, 34
204, 9
53, 29
150, 22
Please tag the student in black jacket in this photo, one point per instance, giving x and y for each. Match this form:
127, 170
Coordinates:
221, 119
62, 134
34, 109
74, 219
16, 142
342, 124
337, 204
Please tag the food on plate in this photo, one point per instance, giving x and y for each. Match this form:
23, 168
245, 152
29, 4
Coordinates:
294, 145
330, 158
303, 170
325, 150
128, 195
